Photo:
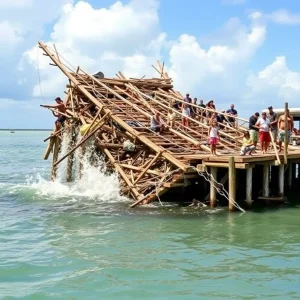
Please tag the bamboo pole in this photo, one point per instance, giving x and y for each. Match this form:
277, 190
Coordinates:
232, 183
49, 148
55, 157
275, 148
123, 124
147, 167
285, 133
290, 175
71, 156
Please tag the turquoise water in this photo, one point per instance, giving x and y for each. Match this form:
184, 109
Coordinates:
83, 242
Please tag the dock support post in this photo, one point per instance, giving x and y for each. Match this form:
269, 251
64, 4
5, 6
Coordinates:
249, 176
71, 156
281, 180
231, 183
213, 191
55, 158
290, 175
266, 178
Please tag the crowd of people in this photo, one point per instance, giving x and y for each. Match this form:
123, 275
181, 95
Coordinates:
265, 128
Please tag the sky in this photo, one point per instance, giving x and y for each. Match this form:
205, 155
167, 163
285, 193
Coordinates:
244, 52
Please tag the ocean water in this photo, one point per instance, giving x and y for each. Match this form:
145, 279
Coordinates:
81, 241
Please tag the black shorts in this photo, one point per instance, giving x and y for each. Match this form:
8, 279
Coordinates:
61, 119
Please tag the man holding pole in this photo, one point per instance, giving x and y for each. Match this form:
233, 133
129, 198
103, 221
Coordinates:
282, 128
59, 112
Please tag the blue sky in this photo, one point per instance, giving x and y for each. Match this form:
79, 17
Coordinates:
233, 51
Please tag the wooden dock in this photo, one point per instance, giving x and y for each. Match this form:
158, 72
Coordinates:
116, 114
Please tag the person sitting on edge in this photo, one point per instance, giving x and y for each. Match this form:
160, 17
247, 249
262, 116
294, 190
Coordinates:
263, 124
186, 113
60, 114
233, 113
272, 116
155, 123
253, 129
213, 133
171, 118
248, 145
281, 128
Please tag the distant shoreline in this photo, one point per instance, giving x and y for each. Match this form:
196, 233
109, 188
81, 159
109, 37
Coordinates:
25, 129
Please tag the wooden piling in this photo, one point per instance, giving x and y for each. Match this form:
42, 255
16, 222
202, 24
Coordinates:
266, 179
290, 175
70, 162
231, 183
55, 157
249, 175
213, 191
281, 180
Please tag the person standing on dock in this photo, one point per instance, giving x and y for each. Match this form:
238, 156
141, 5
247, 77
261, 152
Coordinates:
186, 114
201, 111
281, 128
213, 133
272, 116
232, 112
187, 99
253, 129
60, 113
264, 135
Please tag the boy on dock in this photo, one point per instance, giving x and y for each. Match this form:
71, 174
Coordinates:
155, 123
213, 133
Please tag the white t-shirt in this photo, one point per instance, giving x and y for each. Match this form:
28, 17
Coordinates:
186, 112
264, 124
213, 132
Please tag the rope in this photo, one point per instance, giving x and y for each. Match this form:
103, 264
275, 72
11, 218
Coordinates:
219, 188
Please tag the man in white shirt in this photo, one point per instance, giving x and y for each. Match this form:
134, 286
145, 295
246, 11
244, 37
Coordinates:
263, 124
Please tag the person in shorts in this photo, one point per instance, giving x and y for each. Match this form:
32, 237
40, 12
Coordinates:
213, 133
272, 116
264, 132
253, 129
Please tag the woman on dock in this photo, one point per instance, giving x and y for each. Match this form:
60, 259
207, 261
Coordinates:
213, 133
186, 114
248, 144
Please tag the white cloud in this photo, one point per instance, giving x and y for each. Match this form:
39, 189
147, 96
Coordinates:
9, 36
284, 17
121, 37
276, 82
197, 69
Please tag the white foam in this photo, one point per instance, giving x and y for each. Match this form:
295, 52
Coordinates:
94, 182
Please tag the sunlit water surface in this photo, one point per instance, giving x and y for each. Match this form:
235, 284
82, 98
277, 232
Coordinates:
83, 242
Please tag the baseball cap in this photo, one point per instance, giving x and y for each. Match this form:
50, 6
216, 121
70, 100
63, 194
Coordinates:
270, 107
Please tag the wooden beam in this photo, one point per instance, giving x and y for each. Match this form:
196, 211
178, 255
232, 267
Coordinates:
213, 191
266, 179
281, 180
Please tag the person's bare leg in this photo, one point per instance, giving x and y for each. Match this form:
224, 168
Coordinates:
267, 146
212, 149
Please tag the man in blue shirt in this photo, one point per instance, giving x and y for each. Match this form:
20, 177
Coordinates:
233, 113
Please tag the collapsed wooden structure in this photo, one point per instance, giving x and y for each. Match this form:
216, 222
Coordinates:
116, 114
